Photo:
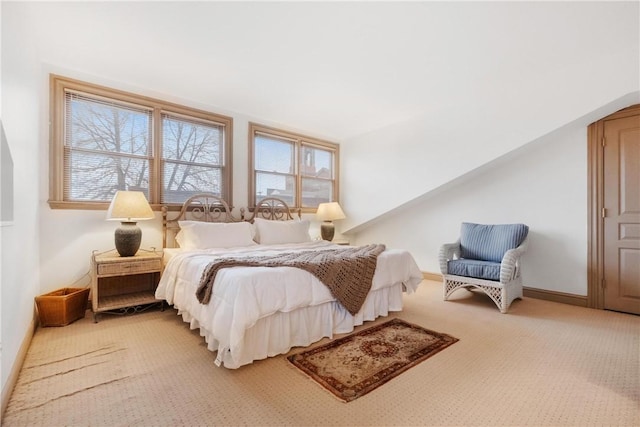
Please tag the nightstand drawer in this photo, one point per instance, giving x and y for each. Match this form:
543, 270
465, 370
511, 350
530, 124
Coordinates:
133, 267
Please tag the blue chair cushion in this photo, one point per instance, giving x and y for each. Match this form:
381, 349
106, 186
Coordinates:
473, 268
490, 242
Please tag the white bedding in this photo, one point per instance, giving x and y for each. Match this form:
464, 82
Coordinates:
256, 312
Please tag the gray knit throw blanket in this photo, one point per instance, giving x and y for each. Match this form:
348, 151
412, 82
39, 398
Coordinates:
347, 272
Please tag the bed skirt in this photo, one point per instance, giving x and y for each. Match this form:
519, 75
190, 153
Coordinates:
279, 332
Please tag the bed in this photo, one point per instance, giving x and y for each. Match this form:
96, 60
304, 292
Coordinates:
259, 312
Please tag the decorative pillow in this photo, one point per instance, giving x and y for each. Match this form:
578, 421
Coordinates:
205, 235
277, 232
490, 242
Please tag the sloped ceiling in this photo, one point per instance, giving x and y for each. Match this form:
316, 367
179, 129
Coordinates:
331, 69
401, 85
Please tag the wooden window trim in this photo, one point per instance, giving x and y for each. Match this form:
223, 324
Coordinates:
298, 140
58, 85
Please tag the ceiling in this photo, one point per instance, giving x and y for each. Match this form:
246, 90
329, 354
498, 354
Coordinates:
336, 69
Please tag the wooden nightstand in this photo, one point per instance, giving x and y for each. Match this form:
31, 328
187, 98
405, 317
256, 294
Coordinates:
122, 285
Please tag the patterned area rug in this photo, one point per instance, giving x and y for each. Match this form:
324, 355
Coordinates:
353, 366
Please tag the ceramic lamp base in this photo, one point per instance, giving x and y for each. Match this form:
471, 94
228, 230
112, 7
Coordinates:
327, 231
127, 238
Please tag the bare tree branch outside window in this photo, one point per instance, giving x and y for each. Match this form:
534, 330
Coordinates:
108, 148
104, 140
192, 156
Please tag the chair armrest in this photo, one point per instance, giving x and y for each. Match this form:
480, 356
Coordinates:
447, 252
509, 267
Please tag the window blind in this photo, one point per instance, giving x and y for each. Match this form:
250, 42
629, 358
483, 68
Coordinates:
295, 168
104, 140
192, 157
107, 147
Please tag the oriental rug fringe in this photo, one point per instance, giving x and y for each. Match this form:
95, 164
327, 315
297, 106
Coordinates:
352, 366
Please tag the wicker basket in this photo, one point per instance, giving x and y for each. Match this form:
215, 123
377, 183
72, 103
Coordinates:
61, 307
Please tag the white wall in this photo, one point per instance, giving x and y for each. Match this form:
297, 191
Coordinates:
2, 186
429, 151
543, 185
20, 242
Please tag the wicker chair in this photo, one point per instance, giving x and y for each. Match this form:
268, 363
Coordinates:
486, 257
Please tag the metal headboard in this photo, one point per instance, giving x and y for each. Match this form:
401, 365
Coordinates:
207, 207
274, 209
203, 207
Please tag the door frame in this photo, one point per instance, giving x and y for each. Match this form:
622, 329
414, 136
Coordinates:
595, 201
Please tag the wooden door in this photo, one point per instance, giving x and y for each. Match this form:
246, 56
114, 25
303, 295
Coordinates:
621, 223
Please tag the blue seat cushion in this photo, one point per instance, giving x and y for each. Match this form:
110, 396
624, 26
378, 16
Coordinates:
490, 242
474, 268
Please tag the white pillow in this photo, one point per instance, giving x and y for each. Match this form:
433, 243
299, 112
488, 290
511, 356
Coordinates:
205, 235
277, 232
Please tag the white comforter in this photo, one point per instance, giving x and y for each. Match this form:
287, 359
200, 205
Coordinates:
243, 295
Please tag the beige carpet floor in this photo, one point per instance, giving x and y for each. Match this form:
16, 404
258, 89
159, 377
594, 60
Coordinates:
543, 364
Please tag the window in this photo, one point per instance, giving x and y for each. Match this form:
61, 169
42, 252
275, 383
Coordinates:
105, 140
300, 170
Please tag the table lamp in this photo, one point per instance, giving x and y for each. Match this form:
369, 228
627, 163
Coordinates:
328, 212
128, 207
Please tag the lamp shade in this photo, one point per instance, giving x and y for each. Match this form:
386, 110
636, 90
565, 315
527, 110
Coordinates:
129, 206
329, 211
